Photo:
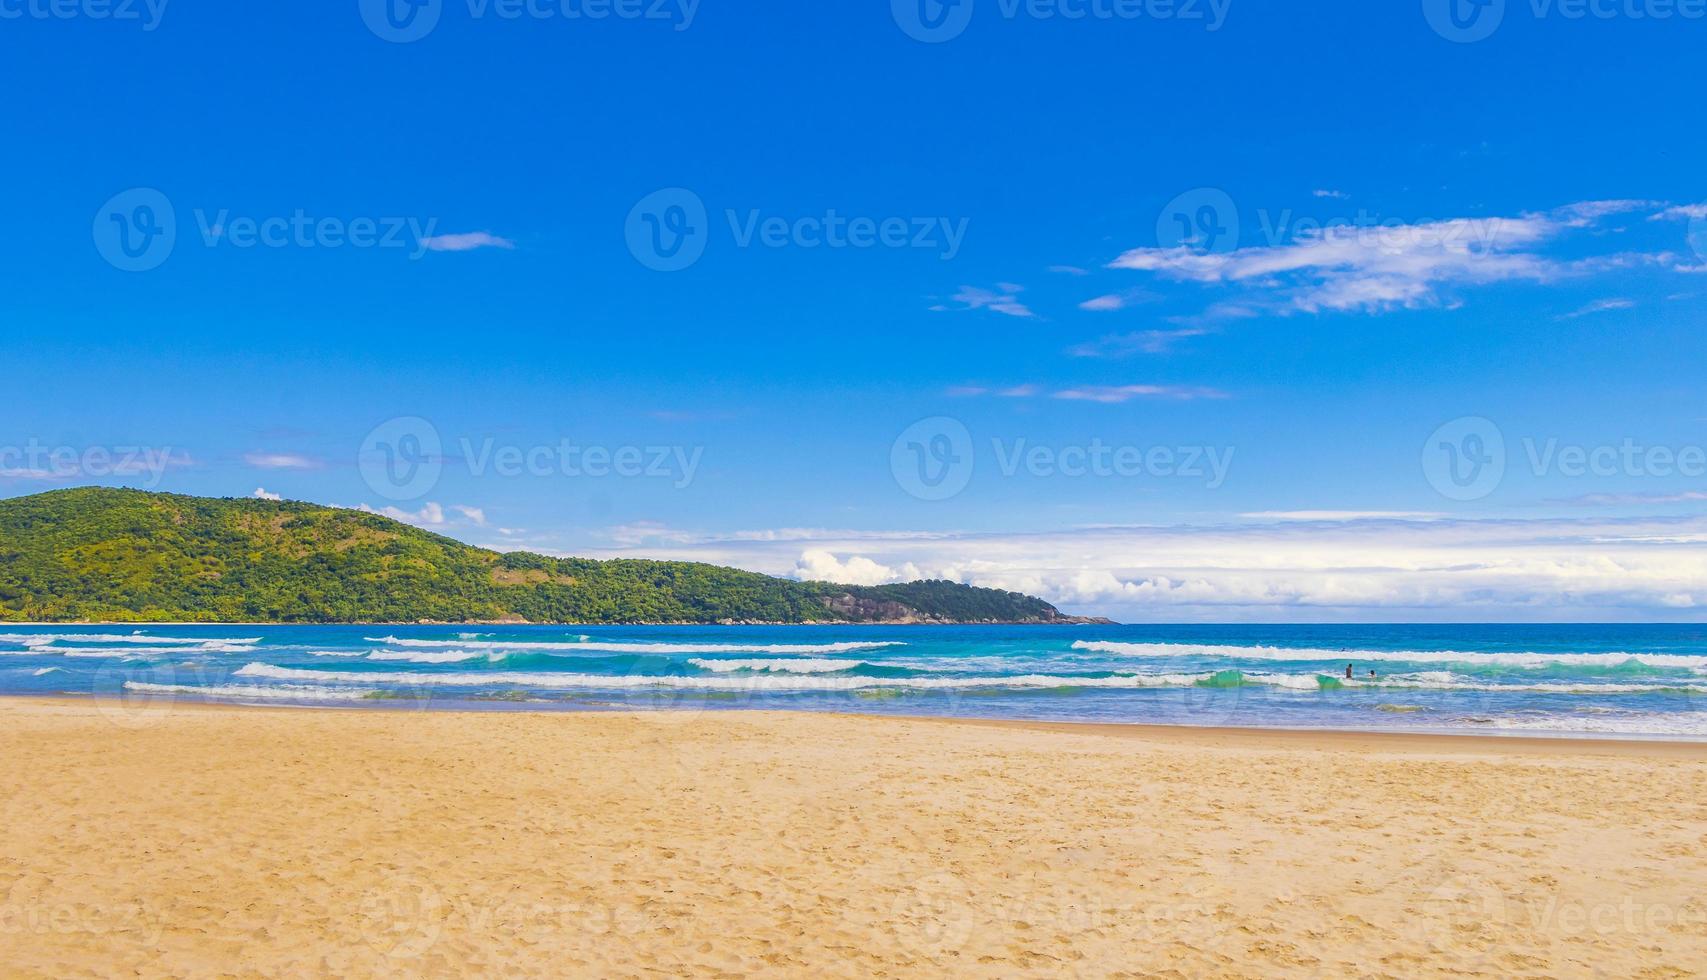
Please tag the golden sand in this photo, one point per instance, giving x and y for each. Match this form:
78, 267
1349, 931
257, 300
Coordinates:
213, 841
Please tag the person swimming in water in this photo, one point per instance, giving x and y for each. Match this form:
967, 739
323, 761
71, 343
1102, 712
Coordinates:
1372, 673
1348, 672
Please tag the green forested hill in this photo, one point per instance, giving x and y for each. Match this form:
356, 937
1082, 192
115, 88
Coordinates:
128, 555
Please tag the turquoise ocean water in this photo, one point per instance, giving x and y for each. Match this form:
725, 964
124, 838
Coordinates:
1631, 681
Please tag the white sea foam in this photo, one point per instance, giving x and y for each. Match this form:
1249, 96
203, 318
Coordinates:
782, 666
281, 692
44, 670
426, 657
1313, 655
133, 651
823, 682
1681, 723
604, 646
38, 639
756, 683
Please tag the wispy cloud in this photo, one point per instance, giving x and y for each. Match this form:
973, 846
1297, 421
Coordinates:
1334, 195
1686, 212
1105, 394
1010, 391
1598, 306
1069, 270
1003, 299
1343, 515
431, 515
1638, 499
282, 461
1118, 301
1118, 394
464, 242
1139, 342
1376, 268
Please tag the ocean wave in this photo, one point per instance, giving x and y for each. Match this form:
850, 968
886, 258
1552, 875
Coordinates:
1315, 655
425, 657
273, 693
38, 639
821, 681
1688, 723
131, 651
783, 666
605, 646
44, 670
817, 682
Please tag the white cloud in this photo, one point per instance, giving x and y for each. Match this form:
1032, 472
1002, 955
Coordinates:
1112, 301
1139, 342
464, 242
1376, 268
1106, 394
1004, 299
1352, 567
1335, 195
822, 566
1343, 515
1598, 306
1118, 394
1069, 270
262, 494
1685, 212
430, 514
473, 514
281, 461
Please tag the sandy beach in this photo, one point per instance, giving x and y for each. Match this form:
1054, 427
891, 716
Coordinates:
235, 841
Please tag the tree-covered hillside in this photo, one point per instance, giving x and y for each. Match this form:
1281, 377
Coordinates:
132, 556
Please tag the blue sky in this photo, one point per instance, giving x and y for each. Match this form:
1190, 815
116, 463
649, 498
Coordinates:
1388, 231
